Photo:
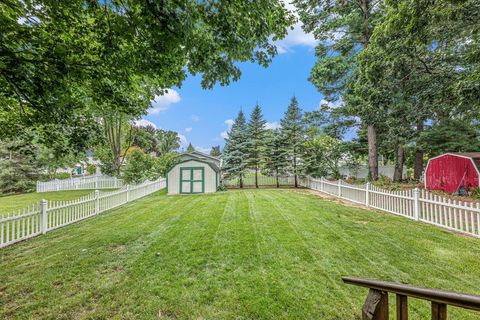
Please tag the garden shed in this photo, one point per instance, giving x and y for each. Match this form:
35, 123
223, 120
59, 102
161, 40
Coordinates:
196, 173
450, 171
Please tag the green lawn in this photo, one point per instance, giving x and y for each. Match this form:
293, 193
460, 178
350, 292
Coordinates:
14, 202
254, 254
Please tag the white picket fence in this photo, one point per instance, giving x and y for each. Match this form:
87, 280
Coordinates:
80, 183
415, 204
41, 217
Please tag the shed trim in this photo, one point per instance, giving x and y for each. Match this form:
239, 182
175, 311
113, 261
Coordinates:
211, 165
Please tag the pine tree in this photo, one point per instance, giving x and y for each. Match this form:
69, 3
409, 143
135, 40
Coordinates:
275, 158
293, 133
215, 152
235, 151
190, 148
255, 140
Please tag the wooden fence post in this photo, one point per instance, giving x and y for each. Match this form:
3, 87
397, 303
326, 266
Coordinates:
416, 200
43, 216
97, 202
376, 306
321, 184
367, 194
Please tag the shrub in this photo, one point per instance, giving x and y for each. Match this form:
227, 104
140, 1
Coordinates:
476, 193
162, 164
221, 188
138, 167
19, 168
62, 175
91, 168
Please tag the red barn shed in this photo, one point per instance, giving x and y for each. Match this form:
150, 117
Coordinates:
451, 170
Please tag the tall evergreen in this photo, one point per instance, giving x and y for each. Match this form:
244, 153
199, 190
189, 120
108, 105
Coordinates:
215, 152
293, 134
255, 140
235, 151
190, 148
274, 158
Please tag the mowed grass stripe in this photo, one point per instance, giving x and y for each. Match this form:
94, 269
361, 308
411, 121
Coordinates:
297, 283
329, 291
173, 266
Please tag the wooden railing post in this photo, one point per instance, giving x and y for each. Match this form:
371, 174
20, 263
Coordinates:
402, 307
376, 306
439, 311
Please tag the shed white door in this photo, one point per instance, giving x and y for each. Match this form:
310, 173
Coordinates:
192, 180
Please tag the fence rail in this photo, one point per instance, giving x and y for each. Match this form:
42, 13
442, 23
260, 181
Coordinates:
44, 216
415, 204
249, 181
80, 183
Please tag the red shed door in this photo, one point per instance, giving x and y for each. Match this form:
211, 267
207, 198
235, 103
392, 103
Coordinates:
448, 172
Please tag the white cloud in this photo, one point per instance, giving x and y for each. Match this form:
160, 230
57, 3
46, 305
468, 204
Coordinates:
272, 125
162, 103
183, 141
195, 118
188, 129
202, 149
331, 104
145, 123
224, 134
296, 36
229, 123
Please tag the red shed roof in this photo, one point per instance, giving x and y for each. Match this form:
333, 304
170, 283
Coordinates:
475, 156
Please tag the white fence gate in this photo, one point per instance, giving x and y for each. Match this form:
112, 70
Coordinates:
80, 183
46, 215
415, 204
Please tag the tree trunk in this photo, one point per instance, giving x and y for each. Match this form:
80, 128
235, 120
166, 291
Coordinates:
295, 170
276, 176
372, 152
418, 166
256, 177
397, 175
241, 181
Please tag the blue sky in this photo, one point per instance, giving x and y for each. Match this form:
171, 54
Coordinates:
202, 116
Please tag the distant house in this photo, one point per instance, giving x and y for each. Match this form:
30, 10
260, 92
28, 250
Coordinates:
79, 168
195, 173
449, 171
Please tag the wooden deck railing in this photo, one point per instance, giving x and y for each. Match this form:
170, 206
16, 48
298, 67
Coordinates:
376, 305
